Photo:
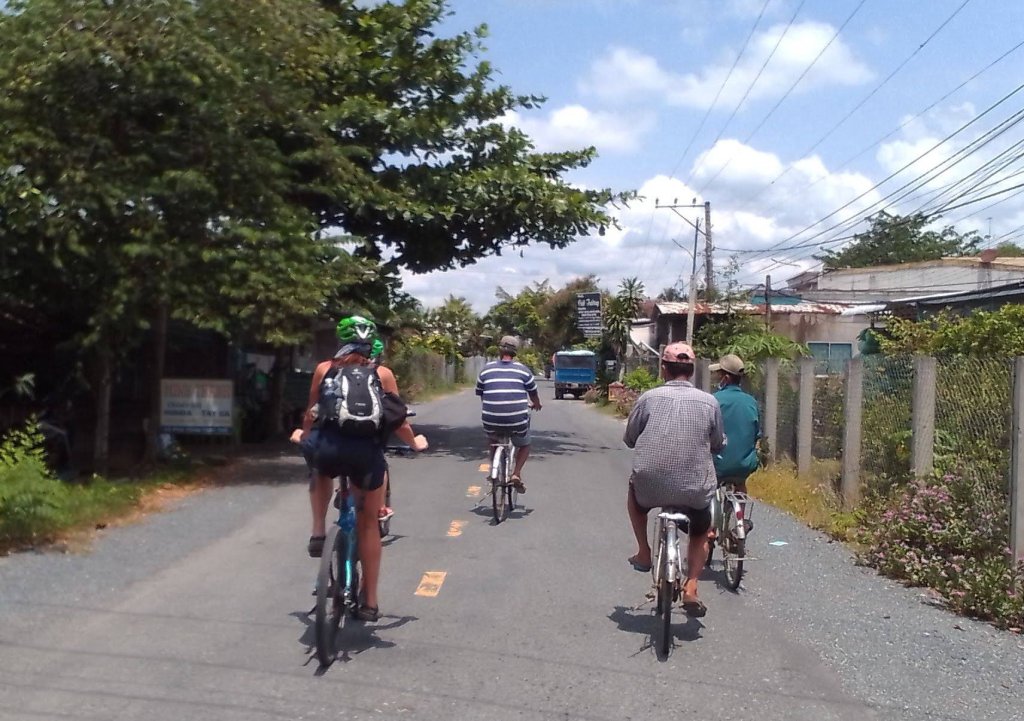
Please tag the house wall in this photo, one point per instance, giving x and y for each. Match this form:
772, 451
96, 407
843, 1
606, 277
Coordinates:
820, 327
925, 277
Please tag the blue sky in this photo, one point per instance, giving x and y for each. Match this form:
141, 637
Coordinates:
636, 78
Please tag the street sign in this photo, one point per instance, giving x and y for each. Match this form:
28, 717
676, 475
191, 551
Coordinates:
588, 314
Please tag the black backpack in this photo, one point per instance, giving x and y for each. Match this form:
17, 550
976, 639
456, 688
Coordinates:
352, 398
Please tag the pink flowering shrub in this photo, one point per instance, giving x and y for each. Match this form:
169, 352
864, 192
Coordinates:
934, 533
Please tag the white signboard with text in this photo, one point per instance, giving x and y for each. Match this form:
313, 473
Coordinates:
200, 406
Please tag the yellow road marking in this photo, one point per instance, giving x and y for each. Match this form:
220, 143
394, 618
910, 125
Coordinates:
455, 529
473, 491
484, 467
430, 584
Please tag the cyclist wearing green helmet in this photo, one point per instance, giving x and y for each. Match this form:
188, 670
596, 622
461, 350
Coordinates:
331, 453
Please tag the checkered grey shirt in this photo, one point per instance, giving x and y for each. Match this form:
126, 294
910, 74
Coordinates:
674, 429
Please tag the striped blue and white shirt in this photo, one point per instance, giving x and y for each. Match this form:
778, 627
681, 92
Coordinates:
505, 388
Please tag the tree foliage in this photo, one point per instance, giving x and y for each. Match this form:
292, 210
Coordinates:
168, 157
894, 239
998, 333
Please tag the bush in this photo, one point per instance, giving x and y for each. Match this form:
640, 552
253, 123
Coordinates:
418, 371
33, 502
640, 380
933, 533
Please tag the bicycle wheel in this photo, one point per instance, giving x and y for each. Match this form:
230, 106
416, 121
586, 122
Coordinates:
330, 604
499, 487
665, 607
732, 550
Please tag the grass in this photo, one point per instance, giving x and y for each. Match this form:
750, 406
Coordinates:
83, 508
812, 498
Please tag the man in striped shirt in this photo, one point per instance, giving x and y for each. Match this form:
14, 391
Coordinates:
508, 391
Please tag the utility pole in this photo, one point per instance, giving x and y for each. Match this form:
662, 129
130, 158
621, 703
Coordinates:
675, 207
709, 266
768, 303
691, 305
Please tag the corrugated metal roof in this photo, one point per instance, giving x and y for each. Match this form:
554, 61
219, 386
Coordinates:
675, 308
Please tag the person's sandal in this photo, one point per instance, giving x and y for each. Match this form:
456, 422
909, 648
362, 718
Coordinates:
693, 606
369, 614
316, 546
517, 483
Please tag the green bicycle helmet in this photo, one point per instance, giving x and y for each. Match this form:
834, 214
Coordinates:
356, 329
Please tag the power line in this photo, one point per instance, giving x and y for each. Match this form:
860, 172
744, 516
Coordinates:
843, 164
750, 87
781, 245
721, 87
786, 94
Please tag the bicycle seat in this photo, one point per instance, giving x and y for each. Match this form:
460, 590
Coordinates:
671, 513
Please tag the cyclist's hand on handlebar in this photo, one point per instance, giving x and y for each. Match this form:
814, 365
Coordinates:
296, 436
421, 444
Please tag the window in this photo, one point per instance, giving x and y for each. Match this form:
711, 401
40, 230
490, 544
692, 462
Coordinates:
830, 358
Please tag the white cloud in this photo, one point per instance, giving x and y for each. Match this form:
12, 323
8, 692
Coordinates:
747, 214
574, 126
624, 74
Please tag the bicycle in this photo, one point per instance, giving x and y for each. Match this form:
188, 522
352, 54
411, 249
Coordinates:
669, 568
337, 582
503, 491
385, 523
730, 517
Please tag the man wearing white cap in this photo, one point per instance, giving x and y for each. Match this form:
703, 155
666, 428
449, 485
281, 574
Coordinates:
674, 429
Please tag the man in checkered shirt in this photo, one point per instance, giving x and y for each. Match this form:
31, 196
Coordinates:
675, 430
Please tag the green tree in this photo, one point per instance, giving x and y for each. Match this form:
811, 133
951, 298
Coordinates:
454, 319
521, 314
1009, 250
894, 239
998, 334
421, 164
132, 143
620, 312
558, 330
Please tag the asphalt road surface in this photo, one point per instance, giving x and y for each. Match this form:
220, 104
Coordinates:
201, 612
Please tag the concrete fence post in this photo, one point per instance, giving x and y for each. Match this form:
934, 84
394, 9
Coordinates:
805, 418
704, 366
1017, 464
852, 422
923, 427
771, 407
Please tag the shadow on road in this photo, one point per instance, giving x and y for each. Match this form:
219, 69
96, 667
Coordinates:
644, 621
468, 443
354, 637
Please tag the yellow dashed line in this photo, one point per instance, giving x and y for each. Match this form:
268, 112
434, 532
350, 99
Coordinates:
430, 584
484, 467
455, 529
473, 491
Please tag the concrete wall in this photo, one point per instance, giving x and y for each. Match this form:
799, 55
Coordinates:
820, 327
924, 277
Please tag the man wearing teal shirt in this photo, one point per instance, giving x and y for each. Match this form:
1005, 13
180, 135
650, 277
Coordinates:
741, 424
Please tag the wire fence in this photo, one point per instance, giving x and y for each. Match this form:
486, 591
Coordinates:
961, 406
973, 418
887, 420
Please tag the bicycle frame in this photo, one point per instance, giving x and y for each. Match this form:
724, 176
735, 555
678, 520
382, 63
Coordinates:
503, 447
346, 523
667, 530
741, 506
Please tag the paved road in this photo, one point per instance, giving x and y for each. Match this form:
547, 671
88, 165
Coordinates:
200, 613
